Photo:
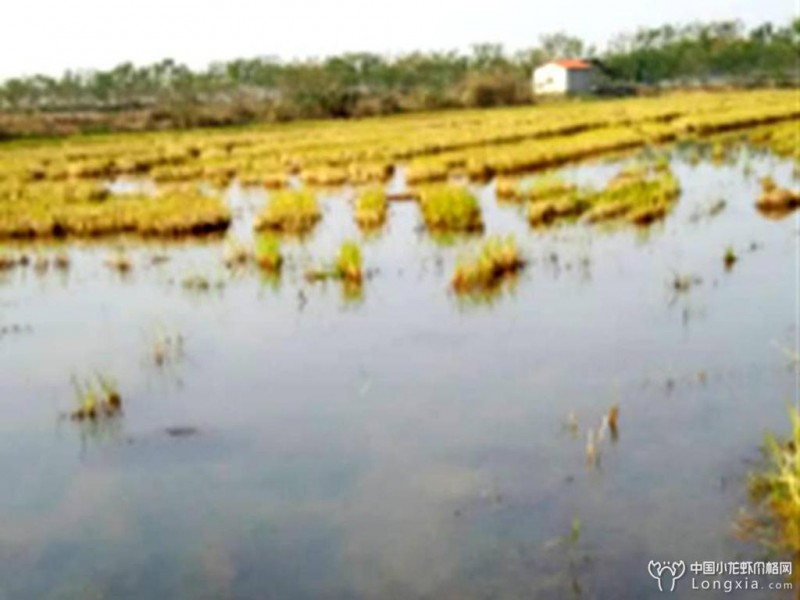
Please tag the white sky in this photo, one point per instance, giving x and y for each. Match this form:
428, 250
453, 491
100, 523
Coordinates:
49, 36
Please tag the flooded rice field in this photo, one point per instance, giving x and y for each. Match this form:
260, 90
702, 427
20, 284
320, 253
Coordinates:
282, 438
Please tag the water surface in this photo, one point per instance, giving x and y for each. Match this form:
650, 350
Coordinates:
407, 444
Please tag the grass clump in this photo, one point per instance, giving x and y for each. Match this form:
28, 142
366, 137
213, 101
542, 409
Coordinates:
776, 491
546, 212
290, 211
96, 400
371, 208
631, 173
496, 259
324, 176
639, 194
640, 197
181, 212
775, 201
547, 187
275, 180
82, 209
506, 188
450, 208
268, 253
729, 258
176, 173
370, 172
425, 171
348, 265
270, 176
544, 187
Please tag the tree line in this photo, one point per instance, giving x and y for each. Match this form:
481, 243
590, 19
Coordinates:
364, 84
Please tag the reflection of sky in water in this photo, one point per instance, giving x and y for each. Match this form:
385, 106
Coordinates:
407, 446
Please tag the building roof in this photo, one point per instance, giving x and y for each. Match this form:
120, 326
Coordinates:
571, 63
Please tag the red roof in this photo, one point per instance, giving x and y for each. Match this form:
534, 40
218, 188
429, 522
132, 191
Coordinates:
572, 63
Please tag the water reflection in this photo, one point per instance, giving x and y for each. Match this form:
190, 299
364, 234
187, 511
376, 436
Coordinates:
404, 442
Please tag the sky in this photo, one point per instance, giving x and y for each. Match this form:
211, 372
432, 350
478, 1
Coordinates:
50, 36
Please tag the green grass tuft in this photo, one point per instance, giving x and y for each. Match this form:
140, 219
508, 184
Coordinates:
290, 211
348, 262
268, 253
776, 491
496, 259
450, 208
371, 208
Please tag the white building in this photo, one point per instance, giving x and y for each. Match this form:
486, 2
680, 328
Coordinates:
565, 76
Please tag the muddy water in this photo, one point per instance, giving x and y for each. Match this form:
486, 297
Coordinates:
405, 444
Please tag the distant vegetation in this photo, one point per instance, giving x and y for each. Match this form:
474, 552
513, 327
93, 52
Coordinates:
168, 94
